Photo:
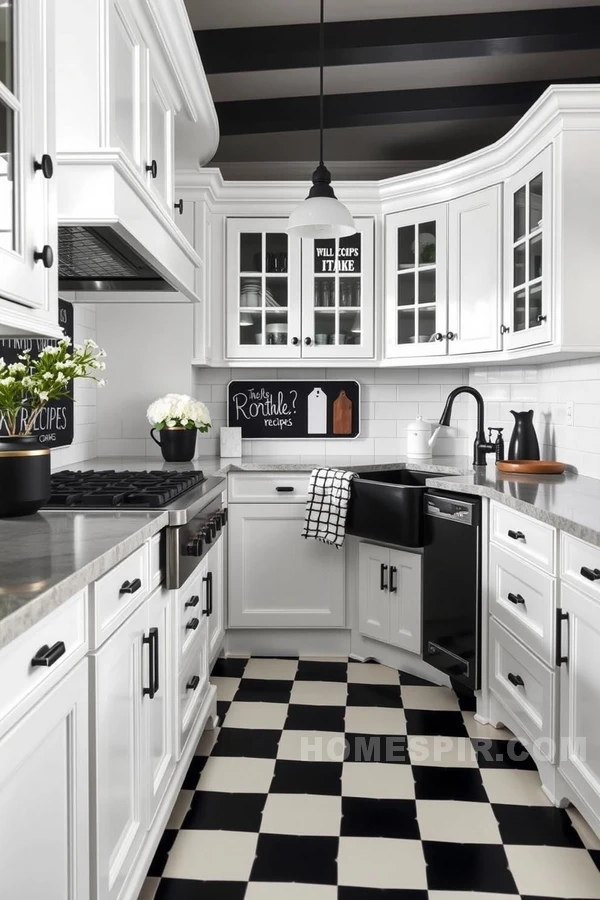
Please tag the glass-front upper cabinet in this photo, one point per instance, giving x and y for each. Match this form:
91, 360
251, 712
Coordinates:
337, 296
9, 121
527, 240
416, 282
263, 290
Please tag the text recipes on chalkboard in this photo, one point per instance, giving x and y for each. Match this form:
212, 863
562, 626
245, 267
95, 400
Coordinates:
294, 409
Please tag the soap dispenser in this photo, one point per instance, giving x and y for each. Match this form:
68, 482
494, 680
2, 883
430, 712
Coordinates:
498, 443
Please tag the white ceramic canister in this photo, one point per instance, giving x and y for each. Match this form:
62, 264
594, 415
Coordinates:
419, 443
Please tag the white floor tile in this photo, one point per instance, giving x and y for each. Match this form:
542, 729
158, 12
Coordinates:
180, 810
589, 839
381, 863
458, 822
312, 746
375, 720
302, 814
518, 786
263, 891
279, 669
428, 750
237, 775
476, 730
226, 687
382, 781
371, 673
420, 697
469, 895
256, 715
320, 693
212, 855
554, 872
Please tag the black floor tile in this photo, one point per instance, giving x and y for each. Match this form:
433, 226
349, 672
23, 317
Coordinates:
229, 668
377, 748
493, 754
263, 690
222, 709
536, 825
435, 722
303, 717
193, 773
312, 670
215, 811
293, 777
468, 867
162, 852
364, 817
285, 858
361, 893
452, 783
407, 678
183, 889
467, 702
374, 695
254, 742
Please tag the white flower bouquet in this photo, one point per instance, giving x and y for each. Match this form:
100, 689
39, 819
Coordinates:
28, 385
179, 411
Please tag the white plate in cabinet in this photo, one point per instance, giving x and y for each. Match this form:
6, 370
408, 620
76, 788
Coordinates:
43, 654
531, 540
522, 598
580, 564
191, 686
116, 594
268, 487
524, 686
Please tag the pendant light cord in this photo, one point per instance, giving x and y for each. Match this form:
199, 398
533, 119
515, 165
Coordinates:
321, 61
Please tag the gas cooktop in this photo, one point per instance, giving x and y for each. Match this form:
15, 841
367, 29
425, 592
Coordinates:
109, 489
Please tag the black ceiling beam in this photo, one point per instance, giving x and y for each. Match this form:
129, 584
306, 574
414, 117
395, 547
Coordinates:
383, 107
398, 40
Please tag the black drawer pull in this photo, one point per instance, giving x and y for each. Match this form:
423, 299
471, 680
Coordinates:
285, 490
516, 535
193, 601
47, 656
516, 680
130, 587
152, 641
192, 625
382, 583
44, 165
590, 574
193, 683
179, 206
516, 598
560, 618
393, 584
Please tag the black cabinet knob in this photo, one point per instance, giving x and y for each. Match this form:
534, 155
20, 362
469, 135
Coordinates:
130, 587
516, 535
192, 625
295, 341
516, 598
193, 601
541, 319
438, 336
308, 341
45, 255
193, 683
47, 656
178, 205
451, 335
590, 574
504, 329
44, 165
516, 680
152, 168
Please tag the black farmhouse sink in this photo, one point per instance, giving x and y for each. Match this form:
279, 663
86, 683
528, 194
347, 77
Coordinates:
387, 506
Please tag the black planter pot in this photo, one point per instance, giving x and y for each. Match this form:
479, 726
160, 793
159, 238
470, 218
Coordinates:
24, 476
177, 444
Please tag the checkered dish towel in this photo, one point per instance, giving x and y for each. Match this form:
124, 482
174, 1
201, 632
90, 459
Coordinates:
327, 506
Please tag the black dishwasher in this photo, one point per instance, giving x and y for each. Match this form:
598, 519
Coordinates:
452, 585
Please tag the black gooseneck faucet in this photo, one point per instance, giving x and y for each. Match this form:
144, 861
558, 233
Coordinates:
481, 447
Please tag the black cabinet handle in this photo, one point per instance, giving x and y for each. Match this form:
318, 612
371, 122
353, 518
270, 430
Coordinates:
45, 255
590, 574
516, 680
193, 683
210, 593
541, 319
382, 585
206, 581
308, 341
560, 618
178, 205
192, 625
516, 535
451, 335
130, 587
152, 640
193, 601
152, 168
438, 336
393, 573
47, 656
285, 489
516, 598
44, 165
295, 341
154, 636
225, 515
504, 329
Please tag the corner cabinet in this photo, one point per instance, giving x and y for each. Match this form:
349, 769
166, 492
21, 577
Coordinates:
293, 299
28, 230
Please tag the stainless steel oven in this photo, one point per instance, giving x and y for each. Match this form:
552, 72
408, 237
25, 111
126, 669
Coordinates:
188, 543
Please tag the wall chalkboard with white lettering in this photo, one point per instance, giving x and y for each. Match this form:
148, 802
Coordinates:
54, 425
294, 409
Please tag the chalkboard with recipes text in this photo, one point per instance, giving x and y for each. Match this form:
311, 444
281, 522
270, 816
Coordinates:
294, 409
54, 425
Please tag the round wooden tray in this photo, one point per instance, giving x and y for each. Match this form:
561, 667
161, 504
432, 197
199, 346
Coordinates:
531, 466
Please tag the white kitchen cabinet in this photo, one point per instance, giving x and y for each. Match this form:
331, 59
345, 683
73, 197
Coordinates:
28, 236
528, 243
215, 597
277, 579
389, 604
160, 712
126, 56
44, 797
160, 164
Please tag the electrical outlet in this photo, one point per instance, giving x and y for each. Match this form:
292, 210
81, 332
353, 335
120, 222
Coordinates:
569, 417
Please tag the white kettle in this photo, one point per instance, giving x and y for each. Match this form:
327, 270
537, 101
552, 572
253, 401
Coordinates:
420, 439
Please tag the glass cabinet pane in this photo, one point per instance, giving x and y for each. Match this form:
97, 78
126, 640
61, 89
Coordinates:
251, 291
519, 275
426, 286
250, 252
535, 202
406, 326
276, 291
406, 289
276, 259
416, 298
6, 43
349, 291
406, 247
535, 305
427, 243
528, 255
325, 327
520, 299
251, 328
7, 191
519, 214
535, 257
350, 327
324, 291
349, 255
276, 327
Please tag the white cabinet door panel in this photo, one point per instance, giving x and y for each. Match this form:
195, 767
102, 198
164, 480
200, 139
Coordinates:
125, 82
159, 709
160, 139
405, 600
373, 602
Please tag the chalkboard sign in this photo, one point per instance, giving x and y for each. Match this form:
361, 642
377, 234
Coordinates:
54, 425
343, 255
295, 409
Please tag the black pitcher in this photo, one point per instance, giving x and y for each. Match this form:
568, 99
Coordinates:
24, 475
523, 441
178, 444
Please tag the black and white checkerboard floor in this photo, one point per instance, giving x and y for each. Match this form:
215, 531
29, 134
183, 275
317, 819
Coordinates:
426, 805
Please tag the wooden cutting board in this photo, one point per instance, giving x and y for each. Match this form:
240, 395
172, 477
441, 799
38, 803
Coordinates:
342, 414
531, 466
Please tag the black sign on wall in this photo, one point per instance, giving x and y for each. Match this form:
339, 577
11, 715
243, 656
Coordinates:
54, 425
295, 409
347, 259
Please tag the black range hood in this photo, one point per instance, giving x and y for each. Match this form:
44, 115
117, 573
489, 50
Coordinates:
98, 259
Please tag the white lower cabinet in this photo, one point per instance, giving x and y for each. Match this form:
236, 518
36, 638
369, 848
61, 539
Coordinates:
389, 605
277, 579
215, 597
161, 750
44, 797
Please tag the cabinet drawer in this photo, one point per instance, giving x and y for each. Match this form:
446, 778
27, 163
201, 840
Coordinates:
18, 677
523, 599
268, 487
116, 594
524, 685
580, 564
192, 605
526, 537
191, 686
